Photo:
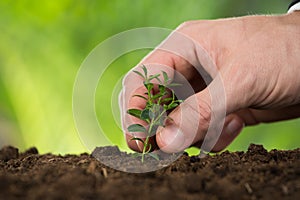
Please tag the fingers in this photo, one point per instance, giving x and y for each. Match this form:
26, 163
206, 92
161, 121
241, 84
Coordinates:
189, 123
136, 102
254, 116
234, 123
201, 118
156, 62
137, 145
232, 128
178, 136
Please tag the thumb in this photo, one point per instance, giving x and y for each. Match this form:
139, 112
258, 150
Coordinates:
200, 118
188, 122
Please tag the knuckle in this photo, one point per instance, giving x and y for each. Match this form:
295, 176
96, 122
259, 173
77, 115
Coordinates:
203, 111
197, 115
205, 114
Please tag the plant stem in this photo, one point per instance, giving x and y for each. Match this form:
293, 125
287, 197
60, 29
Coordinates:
145, 147
149, 132
154, 121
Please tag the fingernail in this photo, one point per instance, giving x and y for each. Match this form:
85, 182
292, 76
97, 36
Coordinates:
170, 139
234, 127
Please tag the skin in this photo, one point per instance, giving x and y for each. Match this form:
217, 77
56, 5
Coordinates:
257, 62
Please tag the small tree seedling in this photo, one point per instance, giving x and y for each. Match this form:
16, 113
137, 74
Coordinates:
155, 111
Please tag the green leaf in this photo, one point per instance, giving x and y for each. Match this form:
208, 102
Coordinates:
157, 96
138, 139
167, 100
151, 114
145, 114
136, 154
149, 104
139, 73
149, 86
178, 101
153, 130
166, 77
165, 107
172, 105
145, 71
153, 77
162, 89
161, 121
158, 79
156, 108
136, 128
135, 112
154, 155
173, 96
137, 95
174, 84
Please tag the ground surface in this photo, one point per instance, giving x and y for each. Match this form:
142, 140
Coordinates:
255, 174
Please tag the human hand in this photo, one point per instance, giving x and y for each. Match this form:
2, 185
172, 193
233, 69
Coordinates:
255, 61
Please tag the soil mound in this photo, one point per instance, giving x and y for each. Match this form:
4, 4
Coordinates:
255, 174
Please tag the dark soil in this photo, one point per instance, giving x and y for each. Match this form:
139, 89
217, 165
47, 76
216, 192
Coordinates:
255, 174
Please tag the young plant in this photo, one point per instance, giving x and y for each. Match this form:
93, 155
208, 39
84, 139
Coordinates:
155, 111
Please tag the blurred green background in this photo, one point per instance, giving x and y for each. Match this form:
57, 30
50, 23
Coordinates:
43, 43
